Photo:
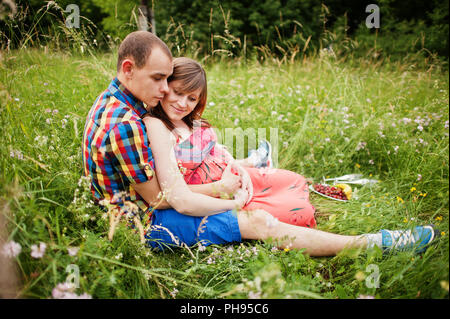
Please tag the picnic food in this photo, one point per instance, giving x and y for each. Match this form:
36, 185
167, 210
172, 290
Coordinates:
333, 191
347, 189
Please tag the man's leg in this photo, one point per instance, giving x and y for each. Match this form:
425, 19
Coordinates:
259, 224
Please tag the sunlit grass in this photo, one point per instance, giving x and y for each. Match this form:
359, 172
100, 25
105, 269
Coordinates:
388, 123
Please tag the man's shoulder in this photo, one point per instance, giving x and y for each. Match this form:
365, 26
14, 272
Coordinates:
109, 112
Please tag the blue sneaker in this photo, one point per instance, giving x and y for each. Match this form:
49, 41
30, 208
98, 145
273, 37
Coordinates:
262, 156
417, 239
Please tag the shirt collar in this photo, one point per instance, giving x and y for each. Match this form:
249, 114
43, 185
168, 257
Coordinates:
124, 95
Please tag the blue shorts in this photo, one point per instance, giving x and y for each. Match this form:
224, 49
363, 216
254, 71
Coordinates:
221, 228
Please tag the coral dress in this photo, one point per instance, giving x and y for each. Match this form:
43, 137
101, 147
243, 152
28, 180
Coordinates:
282, 193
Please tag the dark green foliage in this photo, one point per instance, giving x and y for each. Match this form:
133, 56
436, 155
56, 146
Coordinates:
242, 28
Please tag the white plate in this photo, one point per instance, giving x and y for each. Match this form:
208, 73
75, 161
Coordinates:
339, 200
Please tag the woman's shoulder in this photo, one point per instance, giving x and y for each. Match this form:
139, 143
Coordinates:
156, 128
153, 123
153, 120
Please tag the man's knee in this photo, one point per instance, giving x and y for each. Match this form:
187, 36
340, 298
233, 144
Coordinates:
255, 224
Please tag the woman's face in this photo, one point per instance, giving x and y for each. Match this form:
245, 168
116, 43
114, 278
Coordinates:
177, 104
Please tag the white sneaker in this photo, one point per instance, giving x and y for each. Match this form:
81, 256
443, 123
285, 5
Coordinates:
262, 156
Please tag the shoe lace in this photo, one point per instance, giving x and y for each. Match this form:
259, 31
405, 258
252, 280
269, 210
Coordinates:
401, 238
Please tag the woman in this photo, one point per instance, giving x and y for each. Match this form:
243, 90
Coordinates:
203, 161
184, 143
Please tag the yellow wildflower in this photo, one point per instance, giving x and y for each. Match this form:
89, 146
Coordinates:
357, 165
286, 249
443, 233
412, 189
439, 218
444, 284
360, 276
400, 200
405, 220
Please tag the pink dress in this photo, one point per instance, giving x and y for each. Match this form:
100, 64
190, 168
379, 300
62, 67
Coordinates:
282, 193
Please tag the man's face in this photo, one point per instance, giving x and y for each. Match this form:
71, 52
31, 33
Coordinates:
149, 84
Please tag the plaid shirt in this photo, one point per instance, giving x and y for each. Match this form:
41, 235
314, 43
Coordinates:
116, 152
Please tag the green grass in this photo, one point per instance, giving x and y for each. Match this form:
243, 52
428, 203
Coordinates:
323, 109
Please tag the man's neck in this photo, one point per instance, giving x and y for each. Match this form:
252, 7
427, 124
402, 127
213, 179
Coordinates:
122, 80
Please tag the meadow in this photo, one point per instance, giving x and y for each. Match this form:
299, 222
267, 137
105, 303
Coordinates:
387, 121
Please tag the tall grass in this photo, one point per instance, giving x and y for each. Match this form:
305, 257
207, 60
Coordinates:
332, 119
336, 113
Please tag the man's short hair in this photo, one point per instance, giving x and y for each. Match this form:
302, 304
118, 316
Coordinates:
138, 45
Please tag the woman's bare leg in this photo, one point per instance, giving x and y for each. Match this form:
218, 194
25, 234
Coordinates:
259, 224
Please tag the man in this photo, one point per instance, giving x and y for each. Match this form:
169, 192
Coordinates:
116, 152
118, 158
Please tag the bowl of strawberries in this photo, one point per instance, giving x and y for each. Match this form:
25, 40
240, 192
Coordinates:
338, 192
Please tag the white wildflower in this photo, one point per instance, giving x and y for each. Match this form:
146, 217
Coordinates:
174, 292
38, 252
254, 295
73, 251
11, 249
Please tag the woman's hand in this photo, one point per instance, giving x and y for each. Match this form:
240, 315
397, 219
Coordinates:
247, 184
229, 183
241, 197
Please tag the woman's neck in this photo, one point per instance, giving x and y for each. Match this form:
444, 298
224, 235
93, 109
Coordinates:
181, 129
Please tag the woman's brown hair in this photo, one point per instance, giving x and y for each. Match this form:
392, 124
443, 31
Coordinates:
193, 77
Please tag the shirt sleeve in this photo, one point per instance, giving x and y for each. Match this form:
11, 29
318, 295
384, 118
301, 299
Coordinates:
131, 153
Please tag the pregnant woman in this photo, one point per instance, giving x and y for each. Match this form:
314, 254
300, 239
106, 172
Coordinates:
277, 201
282, 193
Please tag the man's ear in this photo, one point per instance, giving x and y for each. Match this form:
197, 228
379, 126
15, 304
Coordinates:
127, 67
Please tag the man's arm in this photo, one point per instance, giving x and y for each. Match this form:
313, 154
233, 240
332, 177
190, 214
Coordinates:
135, 161
151, 193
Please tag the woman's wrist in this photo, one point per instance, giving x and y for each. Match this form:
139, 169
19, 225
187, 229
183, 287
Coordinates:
218, 187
